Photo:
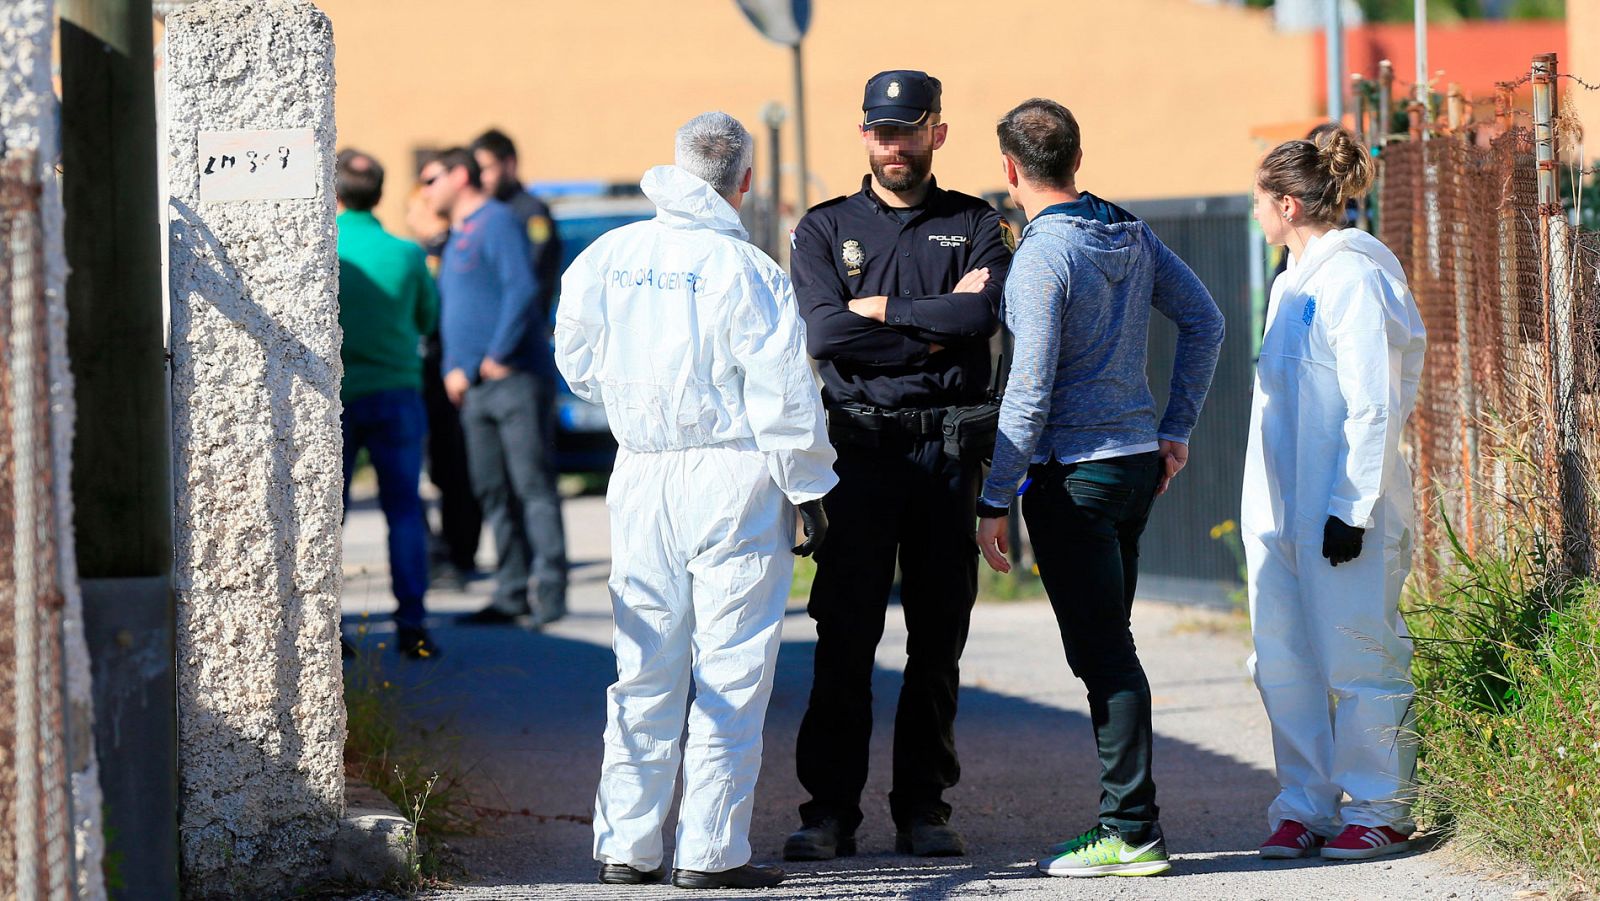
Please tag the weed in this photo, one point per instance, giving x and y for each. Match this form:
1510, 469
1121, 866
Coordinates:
1508, 706
390, 741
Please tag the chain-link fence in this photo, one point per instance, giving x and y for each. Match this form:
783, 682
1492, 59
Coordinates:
1508, 411
36, 845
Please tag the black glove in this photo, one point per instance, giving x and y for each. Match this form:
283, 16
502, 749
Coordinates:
814, 522
1341, 543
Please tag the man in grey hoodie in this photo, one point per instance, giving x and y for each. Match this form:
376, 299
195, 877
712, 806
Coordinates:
1079, 419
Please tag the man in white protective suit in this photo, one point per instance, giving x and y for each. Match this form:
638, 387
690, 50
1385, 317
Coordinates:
1327, 512
691, 338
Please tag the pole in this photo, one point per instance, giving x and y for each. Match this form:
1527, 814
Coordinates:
772, 114
1358, 96
1420, 27
1334, 39
1543, 78
28, 744
1455, 108
1563, 456
802, 195
121, 456
1385, 104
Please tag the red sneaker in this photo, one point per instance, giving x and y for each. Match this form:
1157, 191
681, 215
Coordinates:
1292, 840
1362, 842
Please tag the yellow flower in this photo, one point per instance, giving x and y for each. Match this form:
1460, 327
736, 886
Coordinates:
1223, 528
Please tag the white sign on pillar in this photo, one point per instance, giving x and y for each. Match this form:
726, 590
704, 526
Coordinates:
263, 164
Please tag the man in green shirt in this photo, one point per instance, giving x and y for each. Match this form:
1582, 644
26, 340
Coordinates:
387, 302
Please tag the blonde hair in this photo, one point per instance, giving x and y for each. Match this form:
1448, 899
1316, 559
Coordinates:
1323, 171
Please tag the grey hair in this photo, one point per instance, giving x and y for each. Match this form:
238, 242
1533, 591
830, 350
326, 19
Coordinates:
715, 148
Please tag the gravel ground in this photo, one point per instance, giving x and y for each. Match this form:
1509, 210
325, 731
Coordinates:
528, 710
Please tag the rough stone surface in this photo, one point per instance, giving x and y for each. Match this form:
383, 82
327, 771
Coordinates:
255, 348
29, 123
375, 845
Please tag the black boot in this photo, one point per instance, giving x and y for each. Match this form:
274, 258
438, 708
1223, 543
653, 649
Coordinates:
415, 643
747, 876
622, 874
823, 839
929, 836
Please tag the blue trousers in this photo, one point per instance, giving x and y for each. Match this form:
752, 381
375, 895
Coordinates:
393, 425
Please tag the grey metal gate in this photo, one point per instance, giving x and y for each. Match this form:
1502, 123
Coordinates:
1214, 236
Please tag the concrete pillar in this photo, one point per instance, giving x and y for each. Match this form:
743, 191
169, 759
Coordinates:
255, 396
28, 131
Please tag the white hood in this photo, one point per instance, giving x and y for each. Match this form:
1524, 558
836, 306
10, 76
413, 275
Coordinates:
686, 201
1353, 240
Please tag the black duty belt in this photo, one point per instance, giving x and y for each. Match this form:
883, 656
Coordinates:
918, 423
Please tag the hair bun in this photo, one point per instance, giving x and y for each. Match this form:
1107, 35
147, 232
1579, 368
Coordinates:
1347, 162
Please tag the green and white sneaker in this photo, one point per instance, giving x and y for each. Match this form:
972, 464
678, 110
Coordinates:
1102, 852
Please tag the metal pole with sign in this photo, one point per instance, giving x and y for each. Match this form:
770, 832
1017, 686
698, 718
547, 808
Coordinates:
785, 22
773, 115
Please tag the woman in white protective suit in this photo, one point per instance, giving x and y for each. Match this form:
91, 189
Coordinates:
691, 338
1327, 511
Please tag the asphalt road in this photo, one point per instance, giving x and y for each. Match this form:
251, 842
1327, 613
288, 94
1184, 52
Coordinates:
526, 712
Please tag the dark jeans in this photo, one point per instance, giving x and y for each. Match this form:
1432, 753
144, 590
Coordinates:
392, 426
910, 502
510, 431
1085, 520
460, 520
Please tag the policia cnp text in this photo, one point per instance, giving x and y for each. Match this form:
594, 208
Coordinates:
900, 288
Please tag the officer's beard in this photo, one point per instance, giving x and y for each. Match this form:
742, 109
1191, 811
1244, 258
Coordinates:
914, 172
507, 188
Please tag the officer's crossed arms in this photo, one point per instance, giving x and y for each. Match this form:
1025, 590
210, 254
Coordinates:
876, 308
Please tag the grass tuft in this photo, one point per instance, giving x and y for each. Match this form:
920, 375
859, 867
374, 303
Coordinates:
1508, 707
399, 748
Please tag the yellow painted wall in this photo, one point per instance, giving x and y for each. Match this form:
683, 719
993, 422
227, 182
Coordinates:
1166, 90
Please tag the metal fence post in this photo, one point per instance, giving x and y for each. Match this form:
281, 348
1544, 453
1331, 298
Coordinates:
1561, 455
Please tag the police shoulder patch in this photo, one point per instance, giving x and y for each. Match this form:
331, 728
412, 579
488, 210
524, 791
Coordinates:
1007, 235
538, 229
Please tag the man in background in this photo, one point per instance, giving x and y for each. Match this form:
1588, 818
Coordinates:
454, 548
387, 302
497, 161
499, 371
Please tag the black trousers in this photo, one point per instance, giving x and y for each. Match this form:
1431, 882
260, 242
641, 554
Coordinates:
1085, 520
904, 500
460, 518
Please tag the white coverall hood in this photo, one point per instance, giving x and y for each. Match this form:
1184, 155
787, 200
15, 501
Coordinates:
691, 338
1337, 378
686, 201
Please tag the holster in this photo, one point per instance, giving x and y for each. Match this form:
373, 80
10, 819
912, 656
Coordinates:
969, 432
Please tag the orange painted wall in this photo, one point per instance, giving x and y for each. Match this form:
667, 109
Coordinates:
1474, 55
1583, 60
1166, 90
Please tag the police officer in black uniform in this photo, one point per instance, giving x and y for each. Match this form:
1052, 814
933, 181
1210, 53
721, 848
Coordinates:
900, 287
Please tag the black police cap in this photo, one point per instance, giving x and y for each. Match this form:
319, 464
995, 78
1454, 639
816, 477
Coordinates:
900, 97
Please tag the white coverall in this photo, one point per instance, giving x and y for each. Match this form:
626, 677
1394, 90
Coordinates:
691, 338
1336, 381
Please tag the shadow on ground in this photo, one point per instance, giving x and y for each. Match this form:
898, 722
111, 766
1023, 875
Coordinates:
529, 709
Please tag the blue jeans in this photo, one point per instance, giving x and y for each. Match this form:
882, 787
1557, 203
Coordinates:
392, 425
